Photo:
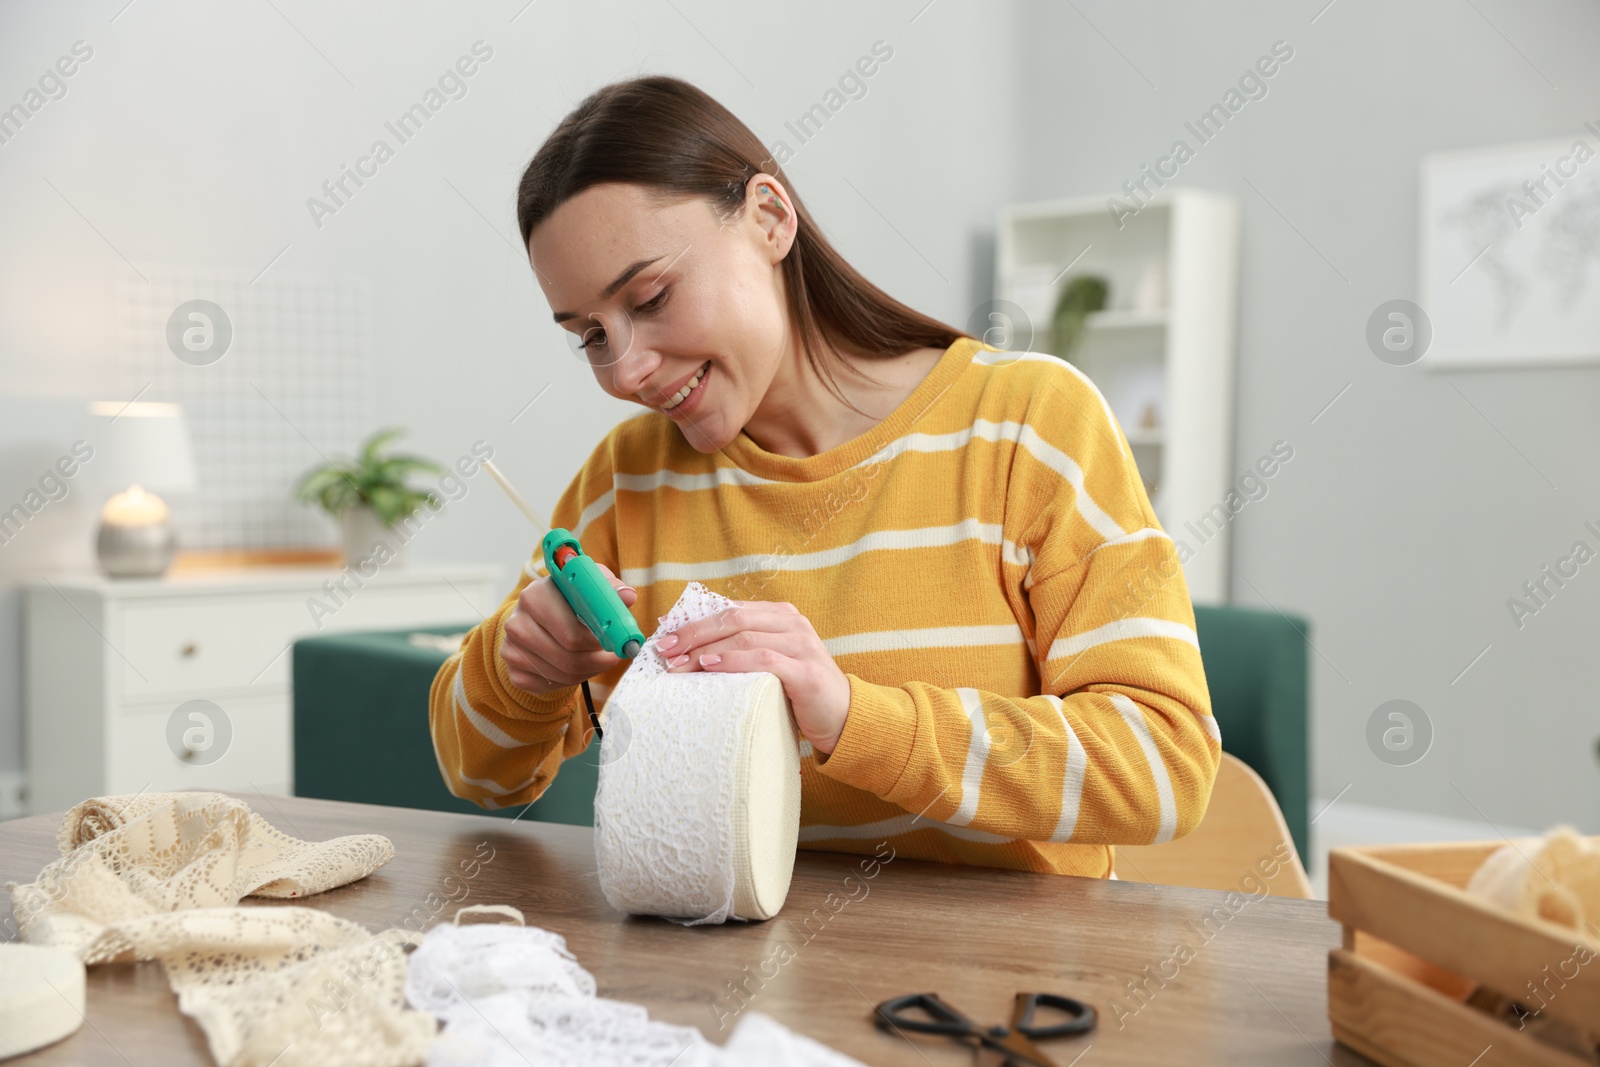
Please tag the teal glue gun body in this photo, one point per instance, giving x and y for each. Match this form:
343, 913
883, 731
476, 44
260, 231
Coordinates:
590, 595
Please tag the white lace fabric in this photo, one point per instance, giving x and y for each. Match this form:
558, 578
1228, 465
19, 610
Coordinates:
159, 876
673, 808
513, 995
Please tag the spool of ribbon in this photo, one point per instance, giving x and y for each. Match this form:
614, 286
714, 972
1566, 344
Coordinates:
41, 997
697, 814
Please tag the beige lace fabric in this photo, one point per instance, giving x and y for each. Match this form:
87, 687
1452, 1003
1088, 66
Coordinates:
1555, 878
159, 876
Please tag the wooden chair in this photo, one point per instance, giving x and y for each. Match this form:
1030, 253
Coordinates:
1238, 845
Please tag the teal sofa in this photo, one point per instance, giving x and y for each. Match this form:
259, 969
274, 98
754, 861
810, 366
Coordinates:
361, 718
361, 730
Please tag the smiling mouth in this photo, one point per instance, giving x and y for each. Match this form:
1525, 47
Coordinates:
694, 383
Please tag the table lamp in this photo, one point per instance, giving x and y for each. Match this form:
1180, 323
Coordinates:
141, 446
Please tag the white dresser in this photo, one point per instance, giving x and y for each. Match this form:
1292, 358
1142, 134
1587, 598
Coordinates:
184, 682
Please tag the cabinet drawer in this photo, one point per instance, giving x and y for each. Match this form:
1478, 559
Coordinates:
259, 754
206, 645
202, 645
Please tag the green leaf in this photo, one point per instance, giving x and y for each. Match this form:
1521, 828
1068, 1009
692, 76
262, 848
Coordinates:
331, 486
375, 443
393, 470
387, 503
308, 487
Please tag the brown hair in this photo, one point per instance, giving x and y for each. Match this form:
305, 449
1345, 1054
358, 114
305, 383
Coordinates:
668, 135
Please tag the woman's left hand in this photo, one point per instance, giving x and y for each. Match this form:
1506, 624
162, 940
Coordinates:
767, 635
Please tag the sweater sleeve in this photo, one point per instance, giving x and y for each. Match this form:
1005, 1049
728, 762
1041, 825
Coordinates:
497, 745
1120, 746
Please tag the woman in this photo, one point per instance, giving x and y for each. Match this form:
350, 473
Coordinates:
944, 552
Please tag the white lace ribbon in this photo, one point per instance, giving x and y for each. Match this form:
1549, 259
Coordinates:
697, 813
511, 995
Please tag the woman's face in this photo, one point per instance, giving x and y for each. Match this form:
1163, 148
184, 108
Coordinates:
662, 295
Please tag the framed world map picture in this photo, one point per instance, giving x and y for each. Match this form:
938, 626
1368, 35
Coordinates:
1510, 253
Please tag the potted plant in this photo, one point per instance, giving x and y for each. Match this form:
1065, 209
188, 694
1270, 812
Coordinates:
369, 495
1082, 296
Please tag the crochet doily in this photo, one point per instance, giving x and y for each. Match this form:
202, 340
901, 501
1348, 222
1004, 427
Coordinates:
513, 995
697, 811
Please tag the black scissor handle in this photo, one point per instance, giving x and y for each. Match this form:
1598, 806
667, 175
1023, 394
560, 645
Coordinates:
943, 1018
1082, 1016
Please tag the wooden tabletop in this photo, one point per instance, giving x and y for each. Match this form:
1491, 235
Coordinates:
1248, 989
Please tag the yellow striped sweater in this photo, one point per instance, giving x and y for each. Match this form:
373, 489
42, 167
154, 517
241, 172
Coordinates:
984, 565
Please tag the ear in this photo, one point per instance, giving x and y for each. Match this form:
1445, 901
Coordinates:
772, 210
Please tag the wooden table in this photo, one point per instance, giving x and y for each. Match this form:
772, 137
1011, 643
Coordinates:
1253, 993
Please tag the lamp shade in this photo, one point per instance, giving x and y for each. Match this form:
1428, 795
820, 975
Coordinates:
142, 443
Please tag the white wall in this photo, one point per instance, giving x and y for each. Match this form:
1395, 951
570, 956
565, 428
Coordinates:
1412, 509
196, 132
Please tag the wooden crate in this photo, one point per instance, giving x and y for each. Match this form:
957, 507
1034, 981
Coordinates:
1416, 944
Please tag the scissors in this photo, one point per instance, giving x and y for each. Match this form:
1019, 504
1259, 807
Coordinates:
1015, 1042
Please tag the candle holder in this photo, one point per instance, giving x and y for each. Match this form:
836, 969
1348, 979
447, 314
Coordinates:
136, 539
145, 444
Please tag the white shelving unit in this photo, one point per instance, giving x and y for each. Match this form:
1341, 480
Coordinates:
1162, 352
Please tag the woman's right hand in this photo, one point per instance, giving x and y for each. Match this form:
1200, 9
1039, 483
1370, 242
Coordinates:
547, 647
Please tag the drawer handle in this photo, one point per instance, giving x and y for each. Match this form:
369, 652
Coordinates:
189, 651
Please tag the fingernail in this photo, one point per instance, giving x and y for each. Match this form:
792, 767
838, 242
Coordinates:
668, 643
678, 661
628, 589
710, 659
